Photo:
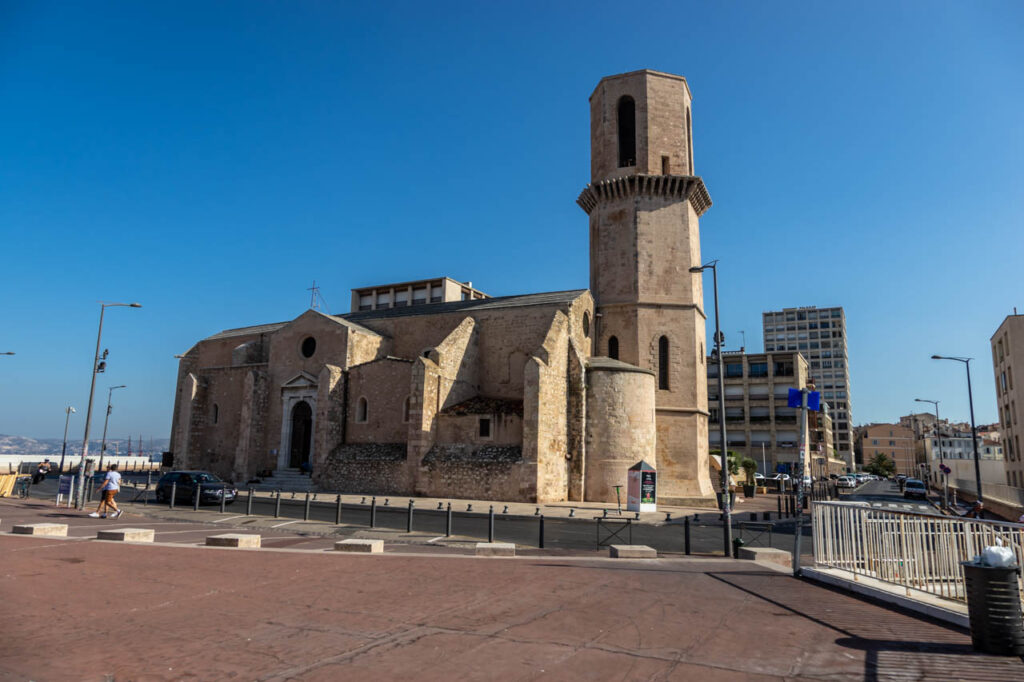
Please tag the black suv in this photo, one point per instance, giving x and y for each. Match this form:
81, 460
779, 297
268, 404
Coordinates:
210, 487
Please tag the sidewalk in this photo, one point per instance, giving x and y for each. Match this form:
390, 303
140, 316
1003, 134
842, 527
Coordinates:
128, 612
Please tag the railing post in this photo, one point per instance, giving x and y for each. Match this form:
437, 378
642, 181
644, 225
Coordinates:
248, 504
686, 536
174, 493
448, 521
490, 524
408, 520
305, 513
337, 512
778, 499
373, 513
541, 532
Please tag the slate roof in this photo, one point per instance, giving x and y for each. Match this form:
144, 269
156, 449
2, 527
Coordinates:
501, 302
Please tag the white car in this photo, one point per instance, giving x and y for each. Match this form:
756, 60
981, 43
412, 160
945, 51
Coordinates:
846, 482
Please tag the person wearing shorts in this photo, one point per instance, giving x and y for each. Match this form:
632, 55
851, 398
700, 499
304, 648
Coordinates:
111, 484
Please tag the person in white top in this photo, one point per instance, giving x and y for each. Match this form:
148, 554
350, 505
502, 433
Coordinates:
111, 484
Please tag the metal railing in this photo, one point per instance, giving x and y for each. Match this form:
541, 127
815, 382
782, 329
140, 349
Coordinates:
916, 551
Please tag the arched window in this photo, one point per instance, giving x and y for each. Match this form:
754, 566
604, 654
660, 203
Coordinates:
216, 413
689, 140
663, 363
362, 410
627, 131
406, 408
613, 347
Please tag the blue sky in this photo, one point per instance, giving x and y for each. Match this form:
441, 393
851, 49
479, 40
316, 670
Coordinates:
211, 159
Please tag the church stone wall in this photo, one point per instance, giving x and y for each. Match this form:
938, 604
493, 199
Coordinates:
385, 385
620, 426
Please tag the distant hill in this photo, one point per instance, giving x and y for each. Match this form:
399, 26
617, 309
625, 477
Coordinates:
21, 445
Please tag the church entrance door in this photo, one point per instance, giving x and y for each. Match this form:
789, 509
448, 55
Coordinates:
302, 434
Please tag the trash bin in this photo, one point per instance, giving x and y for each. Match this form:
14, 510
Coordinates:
732, 499
993, 607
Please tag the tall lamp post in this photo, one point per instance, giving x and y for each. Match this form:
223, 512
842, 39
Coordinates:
726, 512
97, 366
64, 448
974, 429
938, 433
106, 420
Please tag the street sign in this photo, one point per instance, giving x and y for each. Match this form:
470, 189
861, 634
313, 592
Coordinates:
813, 399
65, 484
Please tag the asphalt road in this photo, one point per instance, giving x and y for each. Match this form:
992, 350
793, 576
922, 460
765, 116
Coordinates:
584, 532
887, 495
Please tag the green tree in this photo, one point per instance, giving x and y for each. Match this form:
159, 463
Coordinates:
880, 465
749, 467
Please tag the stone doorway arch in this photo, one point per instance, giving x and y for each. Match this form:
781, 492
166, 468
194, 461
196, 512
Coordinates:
301, 445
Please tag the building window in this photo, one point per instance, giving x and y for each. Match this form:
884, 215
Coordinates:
666, 166
663, 363
586, 324
308, 347
216, 413
485, 427
689, 141
613, 347
758, 369
734, 370
362, 411
627, 131
407, 409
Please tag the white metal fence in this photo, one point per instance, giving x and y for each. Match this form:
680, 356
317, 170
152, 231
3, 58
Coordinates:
914, 550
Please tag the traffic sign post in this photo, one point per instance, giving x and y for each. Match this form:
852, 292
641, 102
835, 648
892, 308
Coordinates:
803, 399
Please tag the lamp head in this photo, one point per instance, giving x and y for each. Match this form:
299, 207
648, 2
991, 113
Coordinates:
697, 269
938, 357
134, 305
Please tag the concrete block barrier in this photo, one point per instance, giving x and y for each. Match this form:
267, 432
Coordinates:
47, 529
495, 549
239, 540
127, 534
632, 552
359, 546
771, 555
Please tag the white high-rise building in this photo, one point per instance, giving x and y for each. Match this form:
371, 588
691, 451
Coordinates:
819, 334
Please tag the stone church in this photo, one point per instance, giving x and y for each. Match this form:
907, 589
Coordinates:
434, 388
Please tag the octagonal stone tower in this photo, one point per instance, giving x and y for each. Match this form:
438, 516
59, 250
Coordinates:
644, 202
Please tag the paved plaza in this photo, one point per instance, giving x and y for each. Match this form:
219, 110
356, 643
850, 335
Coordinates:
79, 609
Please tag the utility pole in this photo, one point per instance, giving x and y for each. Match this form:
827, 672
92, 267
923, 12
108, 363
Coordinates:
64, 448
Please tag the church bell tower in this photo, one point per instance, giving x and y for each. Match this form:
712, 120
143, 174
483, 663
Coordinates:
644, 201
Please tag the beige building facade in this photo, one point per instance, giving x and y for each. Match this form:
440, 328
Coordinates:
759, 422
434, 388
1008, 358
892, 440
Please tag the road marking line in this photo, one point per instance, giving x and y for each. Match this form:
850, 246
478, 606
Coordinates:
286, 523
240, 516
439, 537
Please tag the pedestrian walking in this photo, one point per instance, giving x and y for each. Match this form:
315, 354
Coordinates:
111, 485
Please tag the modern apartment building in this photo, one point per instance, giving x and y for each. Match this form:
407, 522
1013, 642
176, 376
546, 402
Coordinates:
892, 440
759, 423
819, 334
1007, 355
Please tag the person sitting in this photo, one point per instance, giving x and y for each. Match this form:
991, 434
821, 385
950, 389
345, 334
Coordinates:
977, 511
41, 471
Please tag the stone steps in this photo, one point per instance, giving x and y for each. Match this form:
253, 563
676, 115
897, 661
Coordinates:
287, 480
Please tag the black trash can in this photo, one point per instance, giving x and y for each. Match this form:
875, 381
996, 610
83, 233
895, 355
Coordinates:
732, 499
993, 606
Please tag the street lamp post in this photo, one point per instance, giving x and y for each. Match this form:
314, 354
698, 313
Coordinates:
106, 420
974, 429
726, 511
938, 433
92, 390
64, 448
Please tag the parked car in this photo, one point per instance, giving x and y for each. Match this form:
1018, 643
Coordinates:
210, 487
779, 477
758, 478
914, 488
846, 482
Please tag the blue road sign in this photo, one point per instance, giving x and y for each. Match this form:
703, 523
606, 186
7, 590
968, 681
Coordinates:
813, 399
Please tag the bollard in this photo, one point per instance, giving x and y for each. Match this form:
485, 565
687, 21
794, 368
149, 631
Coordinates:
195, 497
686, 536
469, 507
387, 501
145, 498
440, 506
604, 513
248, 504
408, 520
174, 493
766, 516
753, 516
668, 516
362, 501
537, 512
696, 518
490, 524
149, 478
572, 513
736, 544
637, 516
540, 542
277, 506
505, 510
223, 497
373, 513
337, 511
305, 512
448, 521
